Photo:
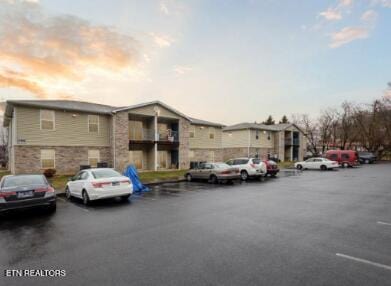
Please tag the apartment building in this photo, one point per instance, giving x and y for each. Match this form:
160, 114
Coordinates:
64, 135
283, 141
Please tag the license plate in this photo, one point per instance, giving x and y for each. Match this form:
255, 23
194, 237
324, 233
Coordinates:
115, 183
23, 195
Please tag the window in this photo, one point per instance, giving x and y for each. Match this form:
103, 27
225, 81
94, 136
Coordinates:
211, 133
105, 173
47, 119
48, 159
333, 157
269, 134
93, 123
192, 132
345, 156
93, 158
256, 134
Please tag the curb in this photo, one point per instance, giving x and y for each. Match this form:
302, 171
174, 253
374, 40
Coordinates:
163, 182
62, 193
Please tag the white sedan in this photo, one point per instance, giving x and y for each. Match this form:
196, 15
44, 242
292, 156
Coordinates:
100, 183
317, 163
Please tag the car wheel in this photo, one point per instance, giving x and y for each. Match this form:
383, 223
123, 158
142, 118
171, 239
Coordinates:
86, 199
244, 175
125, 198
189, 177
366, 161
213, 179
345, 165
68, 193
299, 167
52, 208
323, 168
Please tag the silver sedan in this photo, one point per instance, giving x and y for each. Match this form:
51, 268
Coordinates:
213, 172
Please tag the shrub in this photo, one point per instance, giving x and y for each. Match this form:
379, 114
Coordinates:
49, 173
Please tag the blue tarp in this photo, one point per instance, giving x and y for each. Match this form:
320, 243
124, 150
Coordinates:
132, 174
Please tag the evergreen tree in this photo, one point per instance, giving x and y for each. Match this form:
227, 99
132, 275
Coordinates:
284, 119
269, 121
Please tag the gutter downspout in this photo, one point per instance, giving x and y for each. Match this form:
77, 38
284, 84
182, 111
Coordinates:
114, 149
249, 142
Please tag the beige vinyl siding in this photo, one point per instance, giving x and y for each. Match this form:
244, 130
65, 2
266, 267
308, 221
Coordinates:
149, 110
69, 130
201, 137
236, 138
262, 141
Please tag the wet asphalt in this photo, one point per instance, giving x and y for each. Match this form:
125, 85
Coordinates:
284, 231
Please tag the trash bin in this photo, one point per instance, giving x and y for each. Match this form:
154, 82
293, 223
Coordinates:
83, 167
102, 165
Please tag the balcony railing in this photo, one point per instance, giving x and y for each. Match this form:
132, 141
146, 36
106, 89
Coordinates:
168, 136
142, 135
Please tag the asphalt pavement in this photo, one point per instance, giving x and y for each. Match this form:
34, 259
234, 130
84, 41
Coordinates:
309, 228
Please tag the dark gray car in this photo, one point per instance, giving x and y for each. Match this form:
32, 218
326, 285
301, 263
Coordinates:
26, 191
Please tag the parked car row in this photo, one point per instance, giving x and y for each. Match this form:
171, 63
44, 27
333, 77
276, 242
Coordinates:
337, 158
234, 169
21, 191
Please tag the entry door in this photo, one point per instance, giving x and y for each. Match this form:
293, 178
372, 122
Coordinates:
136, 158
162, 159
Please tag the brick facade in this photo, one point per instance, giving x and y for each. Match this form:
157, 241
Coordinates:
67, 158
184, 126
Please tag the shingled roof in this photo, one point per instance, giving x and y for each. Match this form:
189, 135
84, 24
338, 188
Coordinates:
204, 122
260, 126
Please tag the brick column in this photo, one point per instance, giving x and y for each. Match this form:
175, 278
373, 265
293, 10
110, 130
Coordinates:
184, 161
120, 140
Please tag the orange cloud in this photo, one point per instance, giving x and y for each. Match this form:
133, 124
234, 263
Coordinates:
57, 48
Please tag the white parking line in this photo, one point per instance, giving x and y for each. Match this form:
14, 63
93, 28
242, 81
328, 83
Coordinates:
364, 261
384, 223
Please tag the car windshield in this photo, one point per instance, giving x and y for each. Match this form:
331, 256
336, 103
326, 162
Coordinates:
222, 166
24, 180
105, 173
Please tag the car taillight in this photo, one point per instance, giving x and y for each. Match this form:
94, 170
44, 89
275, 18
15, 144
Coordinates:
7, 194
225, 172
100, 184
44, 190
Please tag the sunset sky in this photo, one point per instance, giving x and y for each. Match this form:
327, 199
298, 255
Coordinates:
227, 61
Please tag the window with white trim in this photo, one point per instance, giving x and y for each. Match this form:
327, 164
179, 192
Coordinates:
93, 158
93, 123
211, 133
47, 119
192, 132
48, 159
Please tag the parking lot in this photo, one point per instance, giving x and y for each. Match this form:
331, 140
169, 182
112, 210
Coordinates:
309, 228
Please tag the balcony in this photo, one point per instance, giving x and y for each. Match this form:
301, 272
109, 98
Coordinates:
141, 135
168, 136
292, 142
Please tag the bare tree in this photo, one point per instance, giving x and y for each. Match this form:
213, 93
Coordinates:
328, 122
311, 129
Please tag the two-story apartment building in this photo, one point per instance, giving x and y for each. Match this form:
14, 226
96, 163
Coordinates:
284, 141
64, 134
205, 139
